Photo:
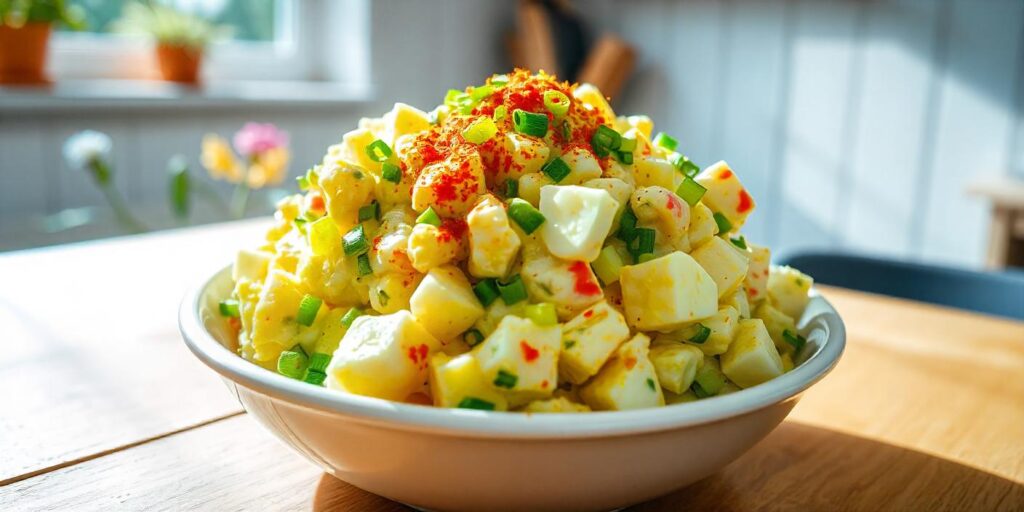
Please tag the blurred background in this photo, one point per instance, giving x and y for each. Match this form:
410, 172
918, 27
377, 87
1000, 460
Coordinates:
887, 127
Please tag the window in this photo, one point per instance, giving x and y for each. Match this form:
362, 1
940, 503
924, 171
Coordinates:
269, 40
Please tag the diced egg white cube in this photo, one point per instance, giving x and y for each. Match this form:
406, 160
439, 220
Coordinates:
652, 171
444, 303
592, 97
528, 154
521, 358
702, 225
756, 284
628, 381
251, 265
738, 300
776, 322
403, 120
726, 194
453, 380
582, 165
382, 356
724, 262
589, 339
492, 241
556, 404
667, 292
723, 328
274, 324
752, 357
577, 220
788, 289
676, 365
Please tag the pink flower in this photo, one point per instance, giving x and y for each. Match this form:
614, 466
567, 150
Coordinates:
257, 138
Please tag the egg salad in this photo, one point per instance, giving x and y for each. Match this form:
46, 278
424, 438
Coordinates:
520, 247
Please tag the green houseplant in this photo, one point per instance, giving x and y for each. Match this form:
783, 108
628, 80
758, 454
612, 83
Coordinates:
181, 38
25, 27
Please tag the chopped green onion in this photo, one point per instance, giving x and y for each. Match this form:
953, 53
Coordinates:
363, 267
383, 297
684, 165
308, 308
710, 379
429, 216
355, 242
645, 241
605, 140
370, 211
796, 340
700, 334
486, 291
229, 308
566, 130
471, 402
303, 182
739, 242
528, 217
314, 377
666, 141
608, 265
506, 379
350, 316
542, 314
644, 257
481, 131
627, 145
650, 384
513, 291
724, 226
298, 348
291, 364
569, 344
452, 96
690, 191
699, 391
624, 156
511, 188
627, 225
479, 93
379, 151
556, 102
473, 337
500, 113
529, 123
556, 169
391, 172
319, 361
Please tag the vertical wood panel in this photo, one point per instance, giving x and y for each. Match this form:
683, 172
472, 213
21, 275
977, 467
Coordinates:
974, 124
751, 101
812, 167
898, 53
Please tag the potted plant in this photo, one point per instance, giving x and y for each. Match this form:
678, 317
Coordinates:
181, 38
25, 27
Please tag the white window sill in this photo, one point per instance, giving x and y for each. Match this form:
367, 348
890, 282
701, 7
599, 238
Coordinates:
112, 94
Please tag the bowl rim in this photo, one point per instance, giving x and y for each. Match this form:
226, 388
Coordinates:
496, 424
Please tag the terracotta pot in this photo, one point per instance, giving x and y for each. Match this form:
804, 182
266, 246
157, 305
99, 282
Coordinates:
23, 54
179, 63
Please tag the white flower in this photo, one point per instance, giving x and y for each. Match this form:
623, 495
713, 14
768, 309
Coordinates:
84, 147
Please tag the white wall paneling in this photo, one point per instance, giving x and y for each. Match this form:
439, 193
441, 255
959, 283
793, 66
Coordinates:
854, 124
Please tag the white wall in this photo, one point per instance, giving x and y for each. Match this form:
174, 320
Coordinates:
855, 124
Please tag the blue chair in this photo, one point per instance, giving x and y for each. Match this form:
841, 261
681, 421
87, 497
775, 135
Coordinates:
995, 293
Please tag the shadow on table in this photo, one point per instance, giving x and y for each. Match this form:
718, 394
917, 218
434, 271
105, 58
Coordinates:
799, 467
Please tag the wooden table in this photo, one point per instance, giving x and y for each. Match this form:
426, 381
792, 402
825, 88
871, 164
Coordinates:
104, 408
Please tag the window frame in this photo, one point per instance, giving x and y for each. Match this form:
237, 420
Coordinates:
293, 56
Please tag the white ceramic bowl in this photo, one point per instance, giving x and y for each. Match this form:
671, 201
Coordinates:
452, 459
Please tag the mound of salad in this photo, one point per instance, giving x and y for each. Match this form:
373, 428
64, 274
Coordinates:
520, 247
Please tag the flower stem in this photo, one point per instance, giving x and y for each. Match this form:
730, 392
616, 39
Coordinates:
240, 200
101, 174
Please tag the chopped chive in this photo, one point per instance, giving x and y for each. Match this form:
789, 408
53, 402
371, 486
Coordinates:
542, 314
710, 379
308, 308
685, 165
391, 172
370, 211
429, 216
471, 402
319, 361
481, 92
690, 191
481, 131
379, 151
486, 291
383, 297
624, 156
529, 123
473, 337
363, 265
513, 291
355, 242
511, 188
699, 391
701, 333
556, 102
627, 145
650, 384
528, 217
645, 240
303, 182
796, 340
351, 316
229, 308
666, 141
627, 225
298, 348
644, 257
506, 379
566, 130
739, 242
291, 364
605, 140
567, 344
556, 169
314, 377
724, 226
500, 113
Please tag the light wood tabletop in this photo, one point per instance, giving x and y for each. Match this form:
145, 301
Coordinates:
103, 408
